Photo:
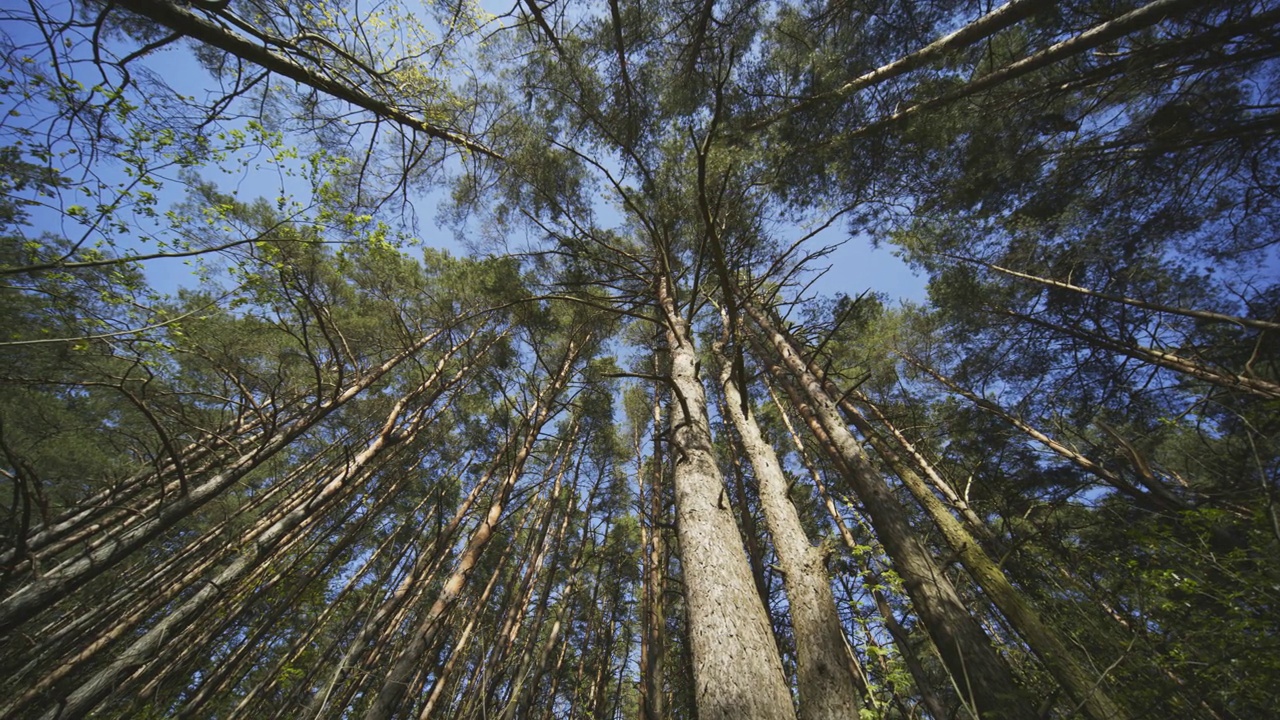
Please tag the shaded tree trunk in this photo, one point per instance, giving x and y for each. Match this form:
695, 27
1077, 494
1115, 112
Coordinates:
653, 625
826, 687
1084, 687
977, 670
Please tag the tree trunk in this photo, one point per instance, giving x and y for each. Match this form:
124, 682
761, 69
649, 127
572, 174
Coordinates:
827, 690
1153, 356
142, 651
977, 670
1084, 687
387, 702
59, 583
736, 667
652, 647
927, 694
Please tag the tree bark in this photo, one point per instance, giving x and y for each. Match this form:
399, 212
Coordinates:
827, 689
736, 667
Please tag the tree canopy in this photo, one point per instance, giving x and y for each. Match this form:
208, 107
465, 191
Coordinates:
394, 360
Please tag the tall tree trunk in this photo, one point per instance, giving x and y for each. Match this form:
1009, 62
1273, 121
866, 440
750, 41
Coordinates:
976, 31
416, 579
456, 652
928, 696
939, 483
1085, 688
387, 702
751, 535
556, 675
142, 651
652, 647
40, 594
1255, 323
1108, 31
307, 641
736, 667
1154, 356
529, 669
827, 689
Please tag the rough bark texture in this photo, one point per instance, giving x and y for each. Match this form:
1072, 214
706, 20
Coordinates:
826, 684
736, 667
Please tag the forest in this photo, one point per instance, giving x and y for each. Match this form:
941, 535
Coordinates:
442, 359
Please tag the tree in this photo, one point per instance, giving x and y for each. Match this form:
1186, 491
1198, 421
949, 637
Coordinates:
827, 676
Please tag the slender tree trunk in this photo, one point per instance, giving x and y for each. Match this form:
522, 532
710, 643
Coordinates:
142, 651
426, 564
980, 29
1100, 34
307, 640
523, 685
1255, 323
1082, 686
751, 535
538, 577
111, 508
947, 490
389, 699
515, 601
459, 647
935, 705
653, 647
603, 678
827, 690
556, 675
1152, 356
52, 587
1085, 689
977, 670
136, 600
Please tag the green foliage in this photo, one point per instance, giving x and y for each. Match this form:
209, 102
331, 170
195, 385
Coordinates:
1110, 446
